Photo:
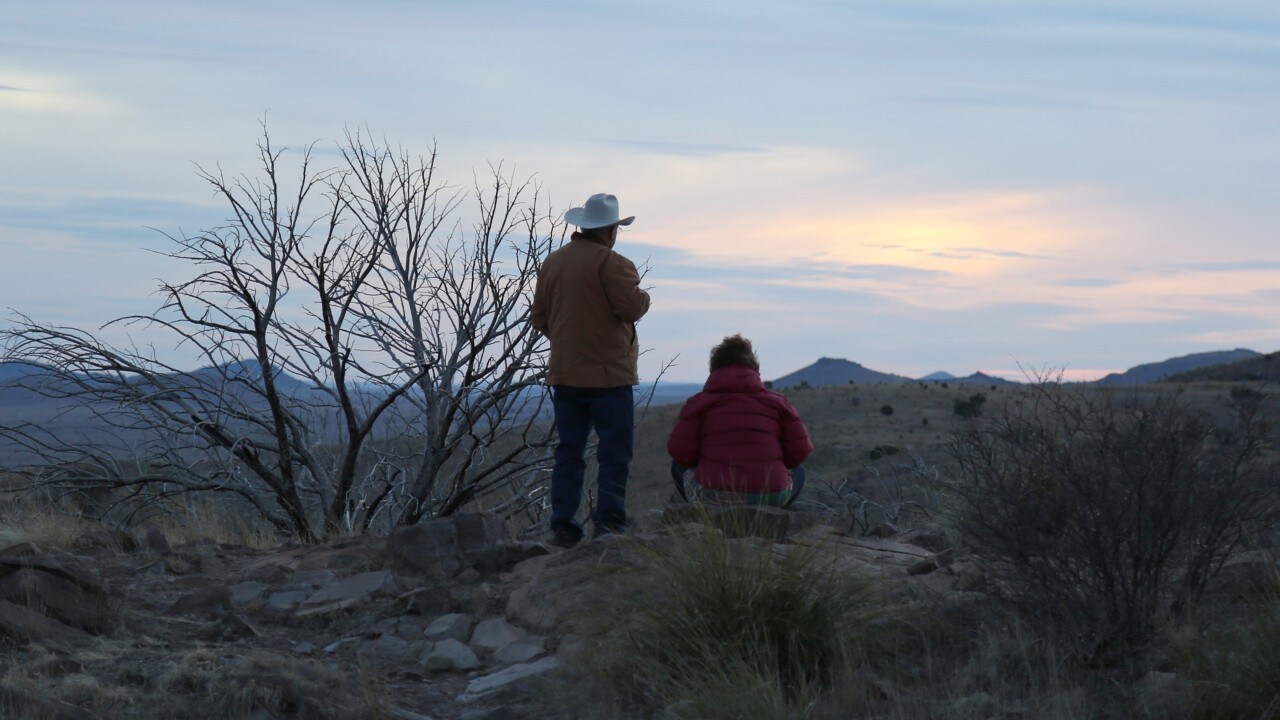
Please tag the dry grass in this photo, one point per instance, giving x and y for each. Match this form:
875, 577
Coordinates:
41, 525
118, 679
1234, 664
211, 519
714, 627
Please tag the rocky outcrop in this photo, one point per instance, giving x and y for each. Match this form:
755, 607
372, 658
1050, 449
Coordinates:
454, 604
50, 597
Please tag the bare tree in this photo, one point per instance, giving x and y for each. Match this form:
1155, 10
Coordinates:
368, 360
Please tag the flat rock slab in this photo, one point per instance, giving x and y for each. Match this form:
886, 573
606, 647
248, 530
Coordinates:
491, 683
449, 655
54, 594
495, 633
454, 626
28, 626
355, 587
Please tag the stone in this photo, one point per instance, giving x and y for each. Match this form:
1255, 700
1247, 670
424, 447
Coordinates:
933, 562
741, 520
454, 626
485, 685
248, 594
157, 543
60, 564
183, 564
561, 588
212, 601
430, 548
477, 531
348, 557
495, 633
25, 626
502, 712
522, 650
929, 539
310, 580
285, 601
449, 655
350, 591
54, 594
390, 650
337, 645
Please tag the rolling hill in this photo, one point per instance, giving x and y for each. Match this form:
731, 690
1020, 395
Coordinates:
836, 371
1156, 371
1263, 368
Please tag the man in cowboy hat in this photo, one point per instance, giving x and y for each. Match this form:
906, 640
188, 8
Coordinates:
587, 302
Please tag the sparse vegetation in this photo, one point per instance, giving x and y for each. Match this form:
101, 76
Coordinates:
886, 410
883, 451
1105, 511
969, 407
1234, 668
368, 360
718, 627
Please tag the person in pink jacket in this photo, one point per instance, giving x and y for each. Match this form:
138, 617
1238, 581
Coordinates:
741, 438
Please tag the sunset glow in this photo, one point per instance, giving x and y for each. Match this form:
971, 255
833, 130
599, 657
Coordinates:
1090, 192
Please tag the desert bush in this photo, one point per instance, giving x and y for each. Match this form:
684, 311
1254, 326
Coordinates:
720, 628
897, 493
969, 407
886, 410
882, 451
1103, 511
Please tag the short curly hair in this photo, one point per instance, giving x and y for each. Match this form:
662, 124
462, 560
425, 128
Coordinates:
734, 350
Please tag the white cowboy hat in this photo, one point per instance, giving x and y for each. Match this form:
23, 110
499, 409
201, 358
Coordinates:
600, 210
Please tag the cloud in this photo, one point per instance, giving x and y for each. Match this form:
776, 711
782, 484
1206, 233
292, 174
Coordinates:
679, 148
1218, 267
1090, 282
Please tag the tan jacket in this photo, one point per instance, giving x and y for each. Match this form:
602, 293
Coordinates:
587, 302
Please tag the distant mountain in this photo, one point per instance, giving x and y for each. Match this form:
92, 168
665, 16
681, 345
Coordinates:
981, 378
978, 378
668, 393
250, 372
836, 371
939, 376
1153, 372
14, 370
1263, 368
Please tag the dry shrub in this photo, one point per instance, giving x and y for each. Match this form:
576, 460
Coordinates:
1234, 667
44, 526
722, 628
991, 670
1103, 510
205, 684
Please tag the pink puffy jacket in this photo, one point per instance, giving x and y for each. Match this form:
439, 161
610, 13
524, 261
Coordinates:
741, 437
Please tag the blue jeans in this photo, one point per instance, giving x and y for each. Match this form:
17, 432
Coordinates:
579, 410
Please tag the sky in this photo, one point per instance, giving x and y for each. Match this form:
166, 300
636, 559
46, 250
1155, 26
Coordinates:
993, 185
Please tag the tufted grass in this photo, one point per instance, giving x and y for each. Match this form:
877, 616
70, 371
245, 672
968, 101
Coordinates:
715, 628
1234, 665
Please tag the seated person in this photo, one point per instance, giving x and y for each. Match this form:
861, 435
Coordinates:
741, 438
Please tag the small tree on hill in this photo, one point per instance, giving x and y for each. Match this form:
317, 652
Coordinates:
398, 301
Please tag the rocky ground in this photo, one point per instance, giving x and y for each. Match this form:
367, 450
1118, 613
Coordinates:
451, 619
